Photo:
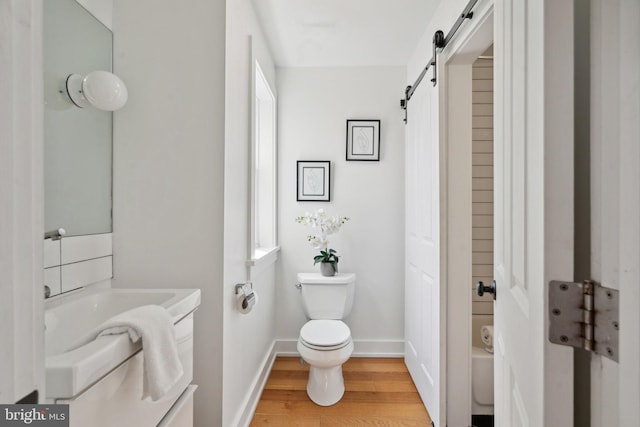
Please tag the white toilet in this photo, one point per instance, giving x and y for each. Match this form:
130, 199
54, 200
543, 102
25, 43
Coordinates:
325, 341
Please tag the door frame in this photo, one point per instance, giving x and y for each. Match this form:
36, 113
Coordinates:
455, 76
22, 207
556, 53
615, 201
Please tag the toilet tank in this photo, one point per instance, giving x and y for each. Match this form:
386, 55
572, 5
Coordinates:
327, 297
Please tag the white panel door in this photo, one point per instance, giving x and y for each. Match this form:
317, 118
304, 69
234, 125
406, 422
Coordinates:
533, 207
423, 298
615, 201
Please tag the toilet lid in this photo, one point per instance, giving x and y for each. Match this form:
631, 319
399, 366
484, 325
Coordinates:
325, 333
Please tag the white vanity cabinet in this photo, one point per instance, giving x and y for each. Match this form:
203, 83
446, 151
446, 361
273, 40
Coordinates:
115, 400
181, 413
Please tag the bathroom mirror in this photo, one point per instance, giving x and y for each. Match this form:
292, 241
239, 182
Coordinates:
77, 141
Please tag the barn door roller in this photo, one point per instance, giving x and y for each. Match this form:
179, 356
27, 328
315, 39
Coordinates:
440, 41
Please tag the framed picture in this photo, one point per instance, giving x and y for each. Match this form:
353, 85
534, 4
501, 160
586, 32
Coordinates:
363, 140
314, 178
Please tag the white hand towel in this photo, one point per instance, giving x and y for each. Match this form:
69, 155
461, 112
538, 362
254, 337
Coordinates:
161, 364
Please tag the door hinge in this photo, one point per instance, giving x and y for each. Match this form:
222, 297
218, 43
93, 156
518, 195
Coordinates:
584, 315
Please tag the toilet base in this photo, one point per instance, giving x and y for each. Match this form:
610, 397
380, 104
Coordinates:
326, 385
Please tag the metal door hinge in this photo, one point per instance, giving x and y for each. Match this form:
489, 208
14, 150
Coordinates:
584, 315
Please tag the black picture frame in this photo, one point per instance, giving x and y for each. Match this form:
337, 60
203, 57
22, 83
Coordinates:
363, 140
313, 181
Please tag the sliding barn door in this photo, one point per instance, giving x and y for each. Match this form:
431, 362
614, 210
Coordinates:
423, 292
533, 240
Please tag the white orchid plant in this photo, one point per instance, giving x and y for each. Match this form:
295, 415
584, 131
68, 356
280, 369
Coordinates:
327, 225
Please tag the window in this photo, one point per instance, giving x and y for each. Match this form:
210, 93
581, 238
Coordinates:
264, 167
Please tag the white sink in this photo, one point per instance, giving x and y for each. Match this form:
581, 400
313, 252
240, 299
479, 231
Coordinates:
69, 318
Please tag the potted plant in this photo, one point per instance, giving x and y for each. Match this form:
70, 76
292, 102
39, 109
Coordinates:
328, 262
328, 258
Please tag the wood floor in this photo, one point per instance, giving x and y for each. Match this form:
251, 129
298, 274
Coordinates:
379, 392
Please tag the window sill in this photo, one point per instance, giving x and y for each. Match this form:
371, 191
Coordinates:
263, 257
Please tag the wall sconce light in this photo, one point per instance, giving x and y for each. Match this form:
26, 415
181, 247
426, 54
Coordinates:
100, 89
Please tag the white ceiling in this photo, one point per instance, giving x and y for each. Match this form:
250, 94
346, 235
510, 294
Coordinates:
337, 33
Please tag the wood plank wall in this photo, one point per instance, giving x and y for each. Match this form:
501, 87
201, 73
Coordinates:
482, 245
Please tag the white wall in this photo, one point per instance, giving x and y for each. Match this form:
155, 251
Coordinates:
21, 200
248, 339
314, 104
168, 166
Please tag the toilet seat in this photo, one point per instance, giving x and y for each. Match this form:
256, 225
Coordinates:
325, 335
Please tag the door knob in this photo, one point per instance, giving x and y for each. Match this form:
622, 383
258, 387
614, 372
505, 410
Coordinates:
481, 288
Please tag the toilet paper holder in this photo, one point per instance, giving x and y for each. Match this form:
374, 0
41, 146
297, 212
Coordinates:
247, 297
244, 288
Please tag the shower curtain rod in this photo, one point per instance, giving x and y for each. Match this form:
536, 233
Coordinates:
440, 41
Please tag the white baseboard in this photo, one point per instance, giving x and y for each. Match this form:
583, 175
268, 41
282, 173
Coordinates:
378, 348
253, 397
362, 348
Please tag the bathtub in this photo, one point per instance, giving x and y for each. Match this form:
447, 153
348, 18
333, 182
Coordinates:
481, 381
481, 368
